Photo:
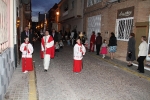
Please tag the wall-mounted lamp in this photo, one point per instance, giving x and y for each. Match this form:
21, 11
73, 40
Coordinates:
57, 13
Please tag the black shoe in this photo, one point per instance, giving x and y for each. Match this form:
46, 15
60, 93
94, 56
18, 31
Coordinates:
45, 70
141, 72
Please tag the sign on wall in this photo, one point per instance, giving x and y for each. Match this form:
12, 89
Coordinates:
126, 12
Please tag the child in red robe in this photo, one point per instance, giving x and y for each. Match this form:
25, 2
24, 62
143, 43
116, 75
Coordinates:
79, 51
27, 49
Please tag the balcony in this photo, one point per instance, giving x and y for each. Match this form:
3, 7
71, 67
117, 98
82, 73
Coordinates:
65, 13
27, 11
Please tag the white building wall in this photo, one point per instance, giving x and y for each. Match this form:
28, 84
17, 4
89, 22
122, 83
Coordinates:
7, 63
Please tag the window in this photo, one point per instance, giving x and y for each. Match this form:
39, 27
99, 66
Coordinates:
66, 7
72, 4
97, 1
89, 3
124, 28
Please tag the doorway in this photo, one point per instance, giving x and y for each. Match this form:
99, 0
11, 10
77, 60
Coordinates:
141, 30
93, 24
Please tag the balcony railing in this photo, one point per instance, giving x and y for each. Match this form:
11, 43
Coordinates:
65, 13
3, 46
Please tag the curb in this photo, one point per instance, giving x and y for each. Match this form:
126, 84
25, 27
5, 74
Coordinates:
32, 85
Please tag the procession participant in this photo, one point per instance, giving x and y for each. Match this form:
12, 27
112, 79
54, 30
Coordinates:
47, 49
27, 49
92, 42
79, 51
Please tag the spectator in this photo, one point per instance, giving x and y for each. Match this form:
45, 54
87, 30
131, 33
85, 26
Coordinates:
112, 45
131, 50
54, 34
104, 48
98, 43
92, 42
142, 54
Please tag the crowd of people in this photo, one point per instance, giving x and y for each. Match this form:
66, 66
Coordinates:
52, 41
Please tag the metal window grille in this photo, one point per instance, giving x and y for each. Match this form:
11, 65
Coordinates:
124, 28
94, 24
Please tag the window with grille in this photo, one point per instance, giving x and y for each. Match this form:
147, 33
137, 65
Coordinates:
124, 28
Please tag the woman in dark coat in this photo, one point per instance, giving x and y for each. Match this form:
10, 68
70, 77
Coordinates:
131, 50
112, 45
98, 43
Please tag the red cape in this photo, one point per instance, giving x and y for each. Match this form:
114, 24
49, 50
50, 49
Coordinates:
50, 51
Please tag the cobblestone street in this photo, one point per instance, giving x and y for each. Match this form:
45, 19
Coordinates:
98, 80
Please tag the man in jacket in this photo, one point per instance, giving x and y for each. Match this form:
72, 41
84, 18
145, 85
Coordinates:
27, 33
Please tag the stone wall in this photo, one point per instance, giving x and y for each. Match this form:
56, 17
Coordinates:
7, 68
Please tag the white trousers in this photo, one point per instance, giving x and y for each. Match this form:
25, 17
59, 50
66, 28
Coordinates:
46, 61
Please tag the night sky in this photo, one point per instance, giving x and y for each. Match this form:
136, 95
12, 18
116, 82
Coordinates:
41, 6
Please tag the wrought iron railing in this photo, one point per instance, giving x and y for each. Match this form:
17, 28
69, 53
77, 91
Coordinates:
3, 46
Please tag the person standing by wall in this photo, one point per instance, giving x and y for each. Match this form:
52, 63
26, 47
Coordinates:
98, 42
92, 42
131, 50
142, 54
112, 45
27, 49
104, 49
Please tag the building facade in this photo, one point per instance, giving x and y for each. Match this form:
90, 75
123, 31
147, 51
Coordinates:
12, 21
119, 16
71, 15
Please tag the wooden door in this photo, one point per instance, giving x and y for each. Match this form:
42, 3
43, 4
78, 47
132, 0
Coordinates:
141, 30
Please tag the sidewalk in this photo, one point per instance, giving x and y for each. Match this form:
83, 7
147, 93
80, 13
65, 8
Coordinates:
18, 87
123, 66
22, 86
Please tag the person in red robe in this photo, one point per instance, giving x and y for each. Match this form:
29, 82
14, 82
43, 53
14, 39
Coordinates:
47, 49
27, 49
92, 42
79, 51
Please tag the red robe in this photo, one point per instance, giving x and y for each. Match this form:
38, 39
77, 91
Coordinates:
79, 51
27, 64
50, 51
92, 42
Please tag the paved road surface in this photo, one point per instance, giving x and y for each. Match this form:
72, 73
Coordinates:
98, 80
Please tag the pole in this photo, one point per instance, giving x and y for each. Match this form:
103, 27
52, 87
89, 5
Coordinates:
148, 52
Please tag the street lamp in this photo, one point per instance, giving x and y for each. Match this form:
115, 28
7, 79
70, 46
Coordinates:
57, 13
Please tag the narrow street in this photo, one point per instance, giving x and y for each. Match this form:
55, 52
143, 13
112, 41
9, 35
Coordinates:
98, 80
